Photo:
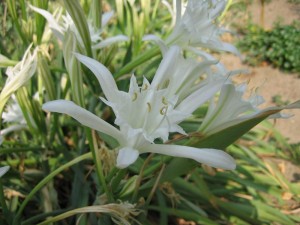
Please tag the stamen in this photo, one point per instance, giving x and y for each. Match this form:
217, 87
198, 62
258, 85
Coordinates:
145, 87
134, 97
163, 110
166, 83
164, 101
149, 106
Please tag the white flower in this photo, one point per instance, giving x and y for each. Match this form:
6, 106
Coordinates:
231, 109
197, 27
151, 111
18, 75
3, 170
60, 24
12, 114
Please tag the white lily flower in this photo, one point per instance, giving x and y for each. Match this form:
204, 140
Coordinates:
12, 114
18, 75
197, 27
231, 109
149, 112
3, 170
60, 24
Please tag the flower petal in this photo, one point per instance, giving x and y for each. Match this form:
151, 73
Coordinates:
3, 170
126, 157
103, 75
151, 37
53, 24
166, 66
199, 97
106, 17
12, 128
212, 157
110, 41
83, 116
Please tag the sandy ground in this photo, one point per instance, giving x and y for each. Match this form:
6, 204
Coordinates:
268, 80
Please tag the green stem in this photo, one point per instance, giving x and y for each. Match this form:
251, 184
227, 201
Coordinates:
34, 219
155, 185
18, 150
99, 169
137, 61
140, 177
45, 181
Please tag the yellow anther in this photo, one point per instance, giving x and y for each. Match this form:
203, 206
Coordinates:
134, 97
166, 83
164, 101
163, 110
149, 106
145, 87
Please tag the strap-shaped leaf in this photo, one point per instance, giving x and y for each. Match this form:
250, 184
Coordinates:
77, 14
219, 140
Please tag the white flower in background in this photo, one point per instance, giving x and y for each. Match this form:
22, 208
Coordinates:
172, 9
3, 170
231, 109
5, 62
197, 27
59, 24
18, 75
12, 115
150, 112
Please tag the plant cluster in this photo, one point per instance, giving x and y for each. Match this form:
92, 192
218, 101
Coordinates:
279, 46
106, 117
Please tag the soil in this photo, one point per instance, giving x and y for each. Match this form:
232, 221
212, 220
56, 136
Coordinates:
264, 79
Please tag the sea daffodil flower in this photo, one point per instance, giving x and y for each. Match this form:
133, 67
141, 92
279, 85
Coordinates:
231, 109
197, 27
12, 114
150, 112
18, 75
60, 24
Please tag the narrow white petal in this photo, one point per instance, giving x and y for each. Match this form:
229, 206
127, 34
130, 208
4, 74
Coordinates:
126, 157
166, 66
110, 41
83, 116
199, 97
212, 157
53, 24
103, 75
106, 17
3, 170
230, 48
163, 47
13, 128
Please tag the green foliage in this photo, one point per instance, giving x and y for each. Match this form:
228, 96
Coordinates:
294, 1
257, 192
277, 99
279, 46
57, 167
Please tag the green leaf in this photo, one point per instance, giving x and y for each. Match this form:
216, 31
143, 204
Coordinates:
184, 214
76, 12
219, 140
